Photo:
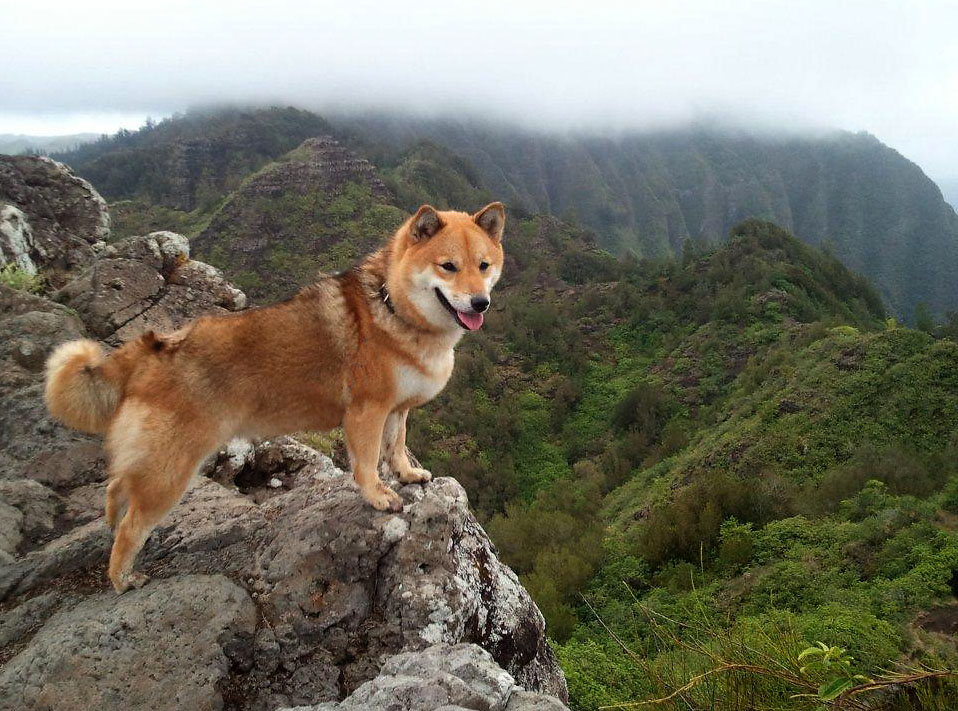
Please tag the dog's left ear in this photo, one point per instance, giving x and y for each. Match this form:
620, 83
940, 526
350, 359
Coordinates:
425, 223
492, 219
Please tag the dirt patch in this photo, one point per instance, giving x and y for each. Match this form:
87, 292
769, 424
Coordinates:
943, 620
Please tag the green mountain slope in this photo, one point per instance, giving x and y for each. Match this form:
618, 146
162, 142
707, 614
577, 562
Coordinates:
650, 192
194, 159
641, 192
737, 440
724, 453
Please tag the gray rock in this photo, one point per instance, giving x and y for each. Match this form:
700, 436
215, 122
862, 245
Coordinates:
268, 468
19, 621
57, 222
144, 283
32, 445
16, 239
82, 548
441, 678
11, 531
161, 647
38, 504
331, 565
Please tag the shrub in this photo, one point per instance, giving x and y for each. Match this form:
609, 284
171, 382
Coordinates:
15, 277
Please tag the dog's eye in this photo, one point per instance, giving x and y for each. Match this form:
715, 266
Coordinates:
483, 266
448, 266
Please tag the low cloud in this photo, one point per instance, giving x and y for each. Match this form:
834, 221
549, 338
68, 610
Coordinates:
888, 68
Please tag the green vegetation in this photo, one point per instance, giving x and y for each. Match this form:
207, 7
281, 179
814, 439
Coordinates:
271, 246
191, 162
702, 463
15, 277
737, 441
652, 192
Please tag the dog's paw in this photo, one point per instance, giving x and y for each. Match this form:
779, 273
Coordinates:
130, 580
383, 498
416, 475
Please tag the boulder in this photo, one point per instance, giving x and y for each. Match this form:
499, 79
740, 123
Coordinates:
441, 678
147, 282
162, 647
50, 220
339, 586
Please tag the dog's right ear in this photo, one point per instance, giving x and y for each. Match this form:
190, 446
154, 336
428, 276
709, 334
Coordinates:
425, 223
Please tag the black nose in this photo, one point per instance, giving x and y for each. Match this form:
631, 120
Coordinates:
480, 303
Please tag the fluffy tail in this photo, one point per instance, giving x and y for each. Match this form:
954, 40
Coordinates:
82, 392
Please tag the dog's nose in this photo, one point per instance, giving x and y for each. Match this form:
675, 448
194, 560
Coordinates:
480, 304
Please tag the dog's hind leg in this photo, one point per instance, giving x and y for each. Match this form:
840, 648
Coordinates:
115, 500
152, 493
153, 455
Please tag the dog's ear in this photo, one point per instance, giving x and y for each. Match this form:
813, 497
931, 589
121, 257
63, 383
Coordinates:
492, 219
425, 223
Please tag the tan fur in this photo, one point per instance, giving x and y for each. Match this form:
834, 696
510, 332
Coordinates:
335, 354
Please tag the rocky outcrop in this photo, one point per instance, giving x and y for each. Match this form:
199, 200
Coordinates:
446, 677
320, 161
273, 584
50, 219
148, 283
289, 220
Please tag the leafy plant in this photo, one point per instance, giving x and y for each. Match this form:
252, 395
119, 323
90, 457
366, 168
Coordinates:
835, 664
15, 277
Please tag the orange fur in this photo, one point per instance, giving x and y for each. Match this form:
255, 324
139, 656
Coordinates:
335, 354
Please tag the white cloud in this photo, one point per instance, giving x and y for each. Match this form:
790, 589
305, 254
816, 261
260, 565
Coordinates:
889, 68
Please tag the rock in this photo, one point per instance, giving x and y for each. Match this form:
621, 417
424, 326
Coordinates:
261, 595
161, 647
11, 531
19, 621
32, 445
82, 549
147, 282
441, 678
49, 218
37, 505
332, 566
338, 584
16, 239
263, 469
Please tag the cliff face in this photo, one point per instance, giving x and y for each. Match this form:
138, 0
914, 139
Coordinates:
319, 207
286, 591
649, 192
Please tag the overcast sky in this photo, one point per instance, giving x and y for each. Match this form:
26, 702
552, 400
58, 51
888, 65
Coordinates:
887, 68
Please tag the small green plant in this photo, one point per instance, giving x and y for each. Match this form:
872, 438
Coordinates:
16, 277
835, 664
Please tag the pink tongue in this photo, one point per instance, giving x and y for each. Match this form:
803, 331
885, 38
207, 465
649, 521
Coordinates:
470, 321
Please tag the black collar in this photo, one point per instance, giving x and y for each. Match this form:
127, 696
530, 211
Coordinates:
384, 296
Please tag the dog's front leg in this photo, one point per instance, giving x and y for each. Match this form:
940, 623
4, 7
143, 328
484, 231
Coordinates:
363, 425
395, 453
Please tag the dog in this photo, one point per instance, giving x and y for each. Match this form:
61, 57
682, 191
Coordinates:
357, 350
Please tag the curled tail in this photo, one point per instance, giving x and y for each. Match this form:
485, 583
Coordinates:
84, 386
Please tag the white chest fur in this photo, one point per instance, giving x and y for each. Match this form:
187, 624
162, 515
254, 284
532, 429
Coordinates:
414, 386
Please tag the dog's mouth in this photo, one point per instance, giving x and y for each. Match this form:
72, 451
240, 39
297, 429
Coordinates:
469, 321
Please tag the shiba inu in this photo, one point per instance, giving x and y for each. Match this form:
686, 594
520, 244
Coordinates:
358, 349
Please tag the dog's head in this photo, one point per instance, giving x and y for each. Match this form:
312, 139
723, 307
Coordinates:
446, 263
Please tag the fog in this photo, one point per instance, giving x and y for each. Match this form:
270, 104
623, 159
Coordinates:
887, 68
